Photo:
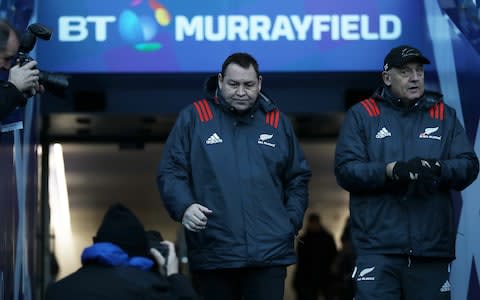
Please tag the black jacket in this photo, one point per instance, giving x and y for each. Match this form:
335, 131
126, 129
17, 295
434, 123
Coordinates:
386, 218
92, 282
249, 170
10, 98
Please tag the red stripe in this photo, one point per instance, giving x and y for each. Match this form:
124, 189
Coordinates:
431, 112
437, 110
205, 115
367, 108
209, 111
372, 107
199, 111
374, 104
441, 111
267, 120
277, 114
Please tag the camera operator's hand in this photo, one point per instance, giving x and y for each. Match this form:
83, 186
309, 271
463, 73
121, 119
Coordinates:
195, 217
26, 78
166, 264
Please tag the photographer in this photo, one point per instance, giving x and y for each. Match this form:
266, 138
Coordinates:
23, 81
120, 265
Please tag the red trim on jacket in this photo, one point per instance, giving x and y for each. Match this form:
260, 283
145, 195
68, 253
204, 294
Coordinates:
272, 118
203, 109
371, 107
437, 111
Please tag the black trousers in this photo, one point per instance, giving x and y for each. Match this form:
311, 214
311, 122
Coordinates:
389, 277
241, 284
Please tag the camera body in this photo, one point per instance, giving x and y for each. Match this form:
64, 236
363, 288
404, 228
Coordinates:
155, 240
53, 82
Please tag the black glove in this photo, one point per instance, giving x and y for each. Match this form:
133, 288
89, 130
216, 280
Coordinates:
424, 169
428, 173
401, 172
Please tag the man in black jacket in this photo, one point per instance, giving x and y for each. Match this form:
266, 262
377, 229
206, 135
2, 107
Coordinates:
400, 154
118, 266
23, 81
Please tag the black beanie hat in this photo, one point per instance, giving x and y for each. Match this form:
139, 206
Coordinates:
122, 228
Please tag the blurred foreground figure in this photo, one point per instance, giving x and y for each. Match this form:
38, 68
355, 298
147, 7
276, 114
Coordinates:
119, 266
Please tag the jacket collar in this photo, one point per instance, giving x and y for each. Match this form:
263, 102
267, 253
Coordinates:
425, 102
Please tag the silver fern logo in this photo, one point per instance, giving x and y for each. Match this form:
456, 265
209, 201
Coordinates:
427, 134
263, 138
362, 276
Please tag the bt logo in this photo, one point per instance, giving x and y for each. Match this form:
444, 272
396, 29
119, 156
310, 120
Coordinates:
137, 25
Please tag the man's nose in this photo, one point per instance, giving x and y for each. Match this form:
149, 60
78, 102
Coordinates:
415, 76
241, 90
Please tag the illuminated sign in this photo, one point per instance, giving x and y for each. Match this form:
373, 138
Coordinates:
185, 36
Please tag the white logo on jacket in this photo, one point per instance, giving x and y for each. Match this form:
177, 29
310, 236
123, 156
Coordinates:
262, 139
383, 133
214, 139
446, 287
362, 275
427, 134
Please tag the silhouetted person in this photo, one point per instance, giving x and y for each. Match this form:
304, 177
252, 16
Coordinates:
316, 251
343, 266
119, 266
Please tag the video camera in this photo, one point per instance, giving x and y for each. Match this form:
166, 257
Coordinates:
53, 82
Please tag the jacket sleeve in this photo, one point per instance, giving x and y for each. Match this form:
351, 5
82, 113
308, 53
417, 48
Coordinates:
296, 179
461, 167
10, 98
353, 169
181, 287
174, 171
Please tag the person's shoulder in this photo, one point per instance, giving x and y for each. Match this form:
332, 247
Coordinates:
202, 109
436, 106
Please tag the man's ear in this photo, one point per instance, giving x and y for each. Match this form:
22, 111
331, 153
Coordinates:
387, 79
219, 79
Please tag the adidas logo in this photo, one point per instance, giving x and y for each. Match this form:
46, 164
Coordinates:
383, 133
214, 139
445, 287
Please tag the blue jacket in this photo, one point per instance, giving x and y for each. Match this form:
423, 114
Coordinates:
386, 217
249, 170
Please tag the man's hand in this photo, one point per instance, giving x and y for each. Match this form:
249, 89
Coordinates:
26, 78
422, 174
401, 172
414, 169
166, 265
425, 168
429, 171
195, 217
